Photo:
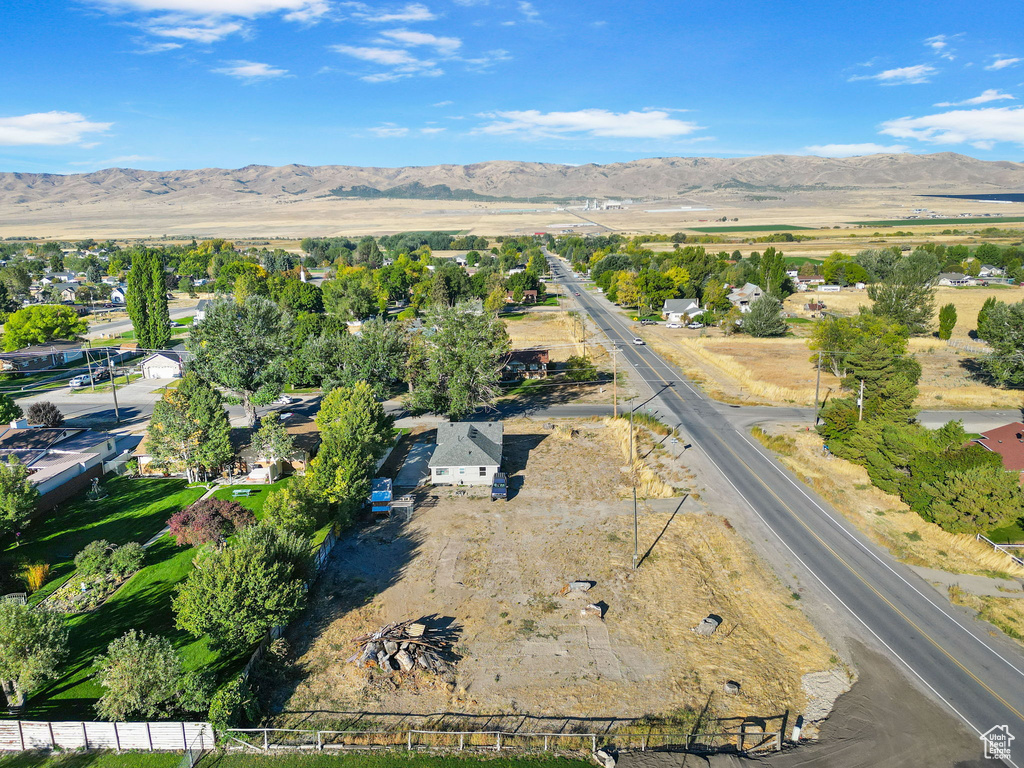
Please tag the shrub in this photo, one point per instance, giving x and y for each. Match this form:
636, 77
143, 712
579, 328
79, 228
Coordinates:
208, 521
45, 413
287, 510
35, 575
126, 559
233, 705
94, 559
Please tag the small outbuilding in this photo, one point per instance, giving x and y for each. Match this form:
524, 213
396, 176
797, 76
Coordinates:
162, 365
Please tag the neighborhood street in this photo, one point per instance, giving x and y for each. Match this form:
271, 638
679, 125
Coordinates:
975, 675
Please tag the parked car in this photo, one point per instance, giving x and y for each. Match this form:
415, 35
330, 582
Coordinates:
695, 326
639, 342
80, 381
499, 488
673, 325
285, 400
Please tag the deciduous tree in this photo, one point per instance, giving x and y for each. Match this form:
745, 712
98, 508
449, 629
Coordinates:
38, 325
45, 414
146, 299
190, 428
765, 318
33, 644
242, 347
18, 496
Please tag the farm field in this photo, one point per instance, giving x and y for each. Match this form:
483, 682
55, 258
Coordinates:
748, 228
494, 573
990, 220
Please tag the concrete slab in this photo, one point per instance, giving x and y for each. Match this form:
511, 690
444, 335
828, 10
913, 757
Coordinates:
414, 470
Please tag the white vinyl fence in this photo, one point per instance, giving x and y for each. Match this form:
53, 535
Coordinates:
19, 735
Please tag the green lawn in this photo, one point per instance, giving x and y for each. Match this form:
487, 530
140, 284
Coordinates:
548, 301
750, 228
105, 387
134, 510
926, 222
258, 498
295, 760
1008, 534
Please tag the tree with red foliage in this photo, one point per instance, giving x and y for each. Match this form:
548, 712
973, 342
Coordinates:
208, 521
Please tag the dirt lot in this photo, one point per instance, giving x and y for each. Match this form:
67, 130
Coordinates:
495, 569
780, 372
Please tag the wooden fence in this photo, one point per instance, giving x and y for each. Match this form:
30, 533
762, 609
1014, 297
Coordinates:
20, 735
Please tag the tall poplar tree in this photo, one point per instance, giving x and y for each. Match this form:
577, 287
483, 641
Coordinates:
146, 300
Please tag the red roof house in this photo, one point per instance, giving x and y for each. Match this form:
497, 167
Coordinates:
1008, 442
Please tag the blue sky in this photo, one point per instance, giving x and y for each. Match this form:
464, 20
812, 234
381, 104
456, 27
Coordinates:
167, 84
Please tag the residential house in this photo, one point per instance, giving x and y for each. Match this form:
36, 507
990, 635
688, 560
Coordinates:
163, 365
57, 277
678, 310
467, 453
990, 270
64, 291
461, 260
954, 279
1008, 442
41, 357
529, 297
526, 364
62, 461
118, 293
517, 269
111, 280
745, 296
260, 469
201, 308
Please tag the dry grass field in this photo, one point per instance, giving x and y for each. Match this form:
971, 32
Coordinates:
495, 570
885, 518
780, 371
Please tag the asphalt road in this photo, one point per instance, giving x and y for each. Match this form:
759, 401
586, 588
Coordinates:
979, 677
98, 327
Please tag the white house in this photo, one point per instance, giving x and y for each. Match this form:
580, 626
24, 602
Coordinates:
745, 296
990, 270
162, 365
118, 294
954, 279
467, 453
201, 308
675, 310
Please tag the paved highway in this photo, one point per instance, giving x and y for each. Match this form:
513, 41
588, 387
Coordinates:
979, 677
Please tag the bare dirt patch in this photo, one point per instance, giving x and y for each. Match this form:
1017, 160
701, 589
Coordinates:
495, 570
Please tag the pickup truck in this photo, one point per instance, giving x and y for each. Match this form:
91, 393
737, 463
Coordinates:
499, 487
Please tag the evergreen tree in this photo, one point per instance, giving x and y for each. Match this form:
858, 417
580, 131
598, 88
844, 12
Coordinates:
947, 321
983, 315
1005, 331
9, 410
765, 318
890, 379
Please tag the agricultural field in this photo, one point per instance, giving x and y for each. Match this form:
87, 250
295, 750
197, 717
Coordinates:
990, 220
748, 228
493, 571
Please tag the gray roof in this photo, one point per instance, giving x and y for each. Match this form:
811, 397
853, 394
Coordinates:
680, 305
468, 444
952, 276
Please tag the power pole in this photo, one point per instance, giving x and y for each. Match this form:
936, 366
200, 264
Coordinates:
860, 402
113, 387
817, 388
88, 364
615, 383
632, 472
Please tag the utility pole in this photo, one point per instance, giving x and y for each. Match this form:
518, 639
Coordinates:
88, 364
817, 388
615, 383
632, 472
860, 402
113, 387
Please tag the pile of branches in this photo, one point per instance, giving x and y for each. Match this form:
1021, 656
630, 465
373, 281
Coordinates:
405, 646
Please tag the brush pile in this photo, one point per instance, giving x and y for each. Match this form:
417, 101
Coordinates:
406, 646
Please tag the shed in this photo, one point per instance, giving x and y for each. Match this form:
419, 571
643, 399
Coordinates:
162, 365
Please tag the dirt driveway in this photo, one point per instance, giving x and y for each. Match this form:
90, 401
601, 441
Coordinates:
495, 569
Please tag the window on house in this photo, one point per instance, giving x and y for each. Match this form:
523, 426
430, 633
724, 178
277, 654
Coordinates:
483, 471
462, 470
441, 471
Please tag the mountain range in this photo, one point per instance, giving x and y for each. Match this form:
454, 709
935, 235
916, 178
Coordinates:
652, 178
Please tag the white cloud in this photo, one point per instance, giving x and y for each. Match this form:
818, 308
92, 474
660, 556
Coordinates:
853, 150
991, 124
158, 47
432, 130
443, 103
992, 94
296, 9
919, 73
528, 11
940, 45
48, 128
402, 63
444, 45
389, 131
653, 124
999, 61
250, 70
407, 13
487, 59
202, 31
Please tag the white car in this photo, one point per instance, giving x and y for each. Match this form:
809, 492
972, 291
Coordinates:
80, 381
639, 342
673, 325
285, 400
695, 326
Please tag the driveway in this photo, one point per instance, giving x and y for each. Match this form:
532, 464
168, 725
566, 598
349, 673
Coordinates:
414, 470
